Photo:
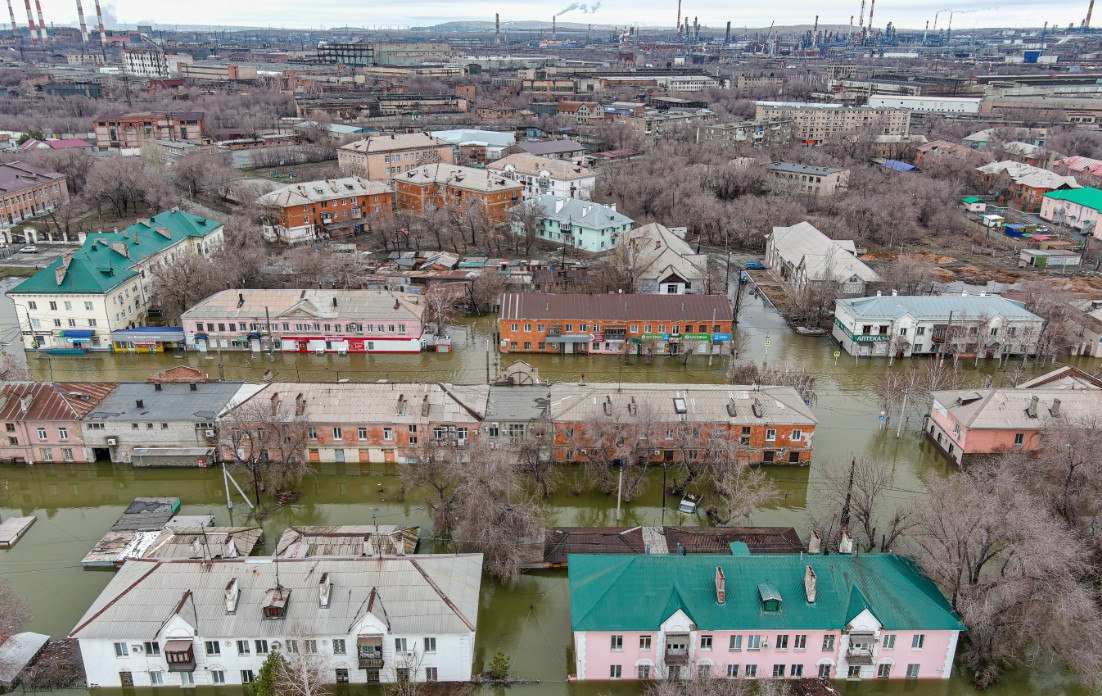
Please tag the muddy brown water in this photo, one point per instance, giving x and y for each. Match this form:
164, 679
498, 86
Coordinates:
76, 504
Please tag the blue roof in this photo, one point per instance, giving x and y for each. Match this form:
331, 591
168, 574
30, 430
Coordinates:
897, 166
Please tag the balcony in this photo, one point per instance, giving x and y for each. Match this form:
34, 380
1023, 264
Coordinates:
677, 657
369, 650
859, 656
180, 656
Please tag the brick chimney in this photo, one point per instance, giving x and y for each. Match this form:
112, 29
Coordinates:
809, 584
846, 544
721, 585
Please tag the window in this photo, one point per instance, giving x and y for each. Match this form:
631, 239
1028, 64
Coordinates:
854, 672
614, 671
53, 306
310, 646
400, 645
643, 671
796, 435
514, 327
799, 642
342, 675
883, 671
292, 646
824, 671
388, 434
156, 679
430, 644
527, 327
918, 641
705, 642
704, 671
218, 676
828, 643
770, 435
751, 671
796, 671
778, 671
732, 671
782, 642
211, 647
126, 678
32, 305
616, 643
88, 306
152, 647
121, 650
361, 434
261, 647
644, 642
889, 642
432, 674
1019, 438
242, 647
372, 676
912, 671
312, 434
247, 676
735, 643
41, 433
402, 674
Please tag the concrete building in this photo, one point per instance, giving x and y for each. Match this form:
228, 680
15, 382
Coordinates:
396, 53
306, 321
663, 263
981, 326
462, 188
802, 255
773, 132
369, 620
155, 63
159, 423
381, 157
758, 616
807, 180
610, 324
324, 209
817, 123
134, 129
213, 71
545, 176
476, 146
579, 224
79, 299
386, 109
555, 149
42, 420
27, 191
1023, 185
1079, 208
927, 104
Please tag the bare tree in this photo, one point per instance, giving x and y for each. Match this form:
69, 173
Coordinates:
788, 375
266, 438
128, 185
525, 221
742, 491
860, 497
200, 173
485, 290
302, 673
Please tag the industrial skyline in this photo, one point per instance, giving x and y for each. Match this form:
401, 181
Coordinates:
649, 13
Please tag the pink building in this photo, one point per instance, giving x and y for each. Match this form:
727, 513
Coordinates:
743, 616
42, 420
969, 422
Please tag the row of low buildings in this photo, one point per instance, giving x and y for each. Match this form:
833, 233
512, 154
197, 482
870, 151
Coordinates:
182, 418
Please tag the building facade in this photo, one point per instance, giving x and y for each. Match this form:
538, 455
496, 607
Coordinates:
613, 324
985, 326
153, 63
132, 130
579, 224
804, 256
368, 620
758, 616
545, 176
307, 321
1079, 208
463, 188
42, 420
807, 180
108, 284
324, 209
1022, 185
27, 192
382, 157
936, 105
817, 123
661, 262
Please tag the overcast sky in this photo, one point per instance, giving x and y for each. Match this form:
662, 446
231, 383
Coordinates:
312, 13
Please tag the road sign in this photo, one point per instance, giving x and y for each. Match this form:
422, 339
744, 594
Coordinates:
768, 343
837, 353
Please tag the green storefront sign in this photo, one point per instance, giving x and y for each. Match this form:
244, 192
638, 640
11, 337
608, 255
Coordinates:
655, 337
696, 337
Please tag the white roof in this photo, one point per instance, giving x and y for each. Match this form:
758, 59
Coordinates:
394, 141
342, 305
379, 402
937, 307
655, 250
323, 190
1028, 175
1006, 408
803, 244
534, 165
572, 211
457, 176
475, 136
410, 594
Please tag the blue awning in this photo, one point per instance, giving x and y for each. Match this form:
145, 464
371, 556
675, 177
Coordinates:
254, 336
200, 337
78, 333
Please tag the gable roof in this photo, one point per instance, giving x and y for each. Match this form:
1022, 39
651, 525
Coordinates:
550, 147
1028, 175
106, 258
572, 211
1005, 408
457, 176
421, 594
47, 401
556, 306
144, 402
936, 307
394, 141
534, 165
804, 245
655, 249
322, 190
16, 176
639, 592
1087, 196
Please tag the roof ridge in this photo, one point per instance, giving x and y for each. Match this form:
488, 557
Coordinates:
116, 598
447, 600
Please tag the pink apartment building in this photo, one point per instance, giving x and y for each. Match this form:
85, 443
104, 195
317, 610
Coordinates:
743, 616
42, 420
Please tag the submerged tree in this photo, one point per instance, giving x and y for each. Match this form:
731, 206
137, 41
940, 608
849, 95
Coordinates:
859, 497
267, 439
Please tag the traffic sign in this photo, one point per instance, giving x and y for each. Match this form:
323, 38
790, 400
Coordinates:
837, 353
768, 343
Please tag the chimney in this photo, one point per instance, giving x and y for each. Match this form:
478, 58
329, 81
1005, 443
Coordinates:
240, 300
425, 406
275, 402
1055, 410
300, 404
809, 584
1031, 410
325, 591
401, 404
232, 595
721, 585
895, 293
814, 544
139, 403
846, 544
25, 402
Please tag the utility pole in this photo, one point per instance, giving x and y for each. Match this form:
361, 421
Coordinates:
844, 518
902, 411
268, 321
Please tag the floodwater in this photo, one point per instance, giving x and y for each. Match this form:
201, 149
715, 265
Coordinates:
76, 504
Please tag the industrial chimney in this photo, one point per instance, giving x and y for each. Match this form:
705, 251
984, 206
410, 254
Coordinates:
30, 22
41, 21
727, 36
497, 28
99, 20
1090, 11
83, 23
12, 13
872, 9
554, 27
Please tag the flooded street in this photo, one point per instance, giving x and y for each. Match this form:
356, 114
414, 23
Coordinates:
76, 504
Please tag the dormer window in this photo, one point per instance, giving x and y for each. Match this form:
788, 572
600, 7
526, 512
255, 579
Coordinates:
275, 603
770, 597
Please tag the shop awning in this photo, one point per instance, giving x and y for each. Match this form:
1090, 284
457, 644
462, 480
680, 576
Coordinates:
200, 337
145, 335
78, 335
173, 456
570, 339
254, 336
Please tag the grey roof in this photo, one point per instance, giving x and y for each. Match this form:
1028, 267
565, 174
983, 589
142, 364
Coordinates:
173, 402
571, 211
348, 540
411, 594
518, 403
17, 652
16, 176
804, 169
475, 136
656, 251
204, 542
803, 244
377, 402
550, 147
935, 308
1006, 408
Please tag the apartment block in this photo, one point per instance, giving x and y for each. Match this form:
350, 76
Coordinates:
381, 157
817, 123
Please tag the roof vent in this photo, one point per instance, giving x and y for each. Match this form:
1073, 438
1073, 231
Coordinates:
757, 408
139, 403
325, 591
1055, 410
721, 585
233, 593
846, 544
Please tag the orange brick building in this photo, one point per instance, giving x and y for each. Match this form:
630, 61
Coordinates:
26, 192
613, 324
323, 209
131, 130
449, 185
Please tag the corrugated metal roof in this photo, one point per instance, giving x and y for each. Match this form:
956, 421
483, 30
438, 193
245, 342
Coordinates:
348, 540
1005, 409
45, 401
308, 305
165, 402
323, 190
414, 594
639, 592
378, 402
679, 308
573, 212
935, 308
518, 403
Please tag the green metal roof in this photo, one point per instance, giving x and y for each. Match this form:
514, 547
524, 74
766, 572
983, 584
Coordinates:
972, 199
106, 258
638, 593
1089, 197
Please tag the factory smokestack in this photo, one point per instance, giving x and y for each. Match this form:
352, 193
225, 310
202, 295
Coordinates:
41, 21
554, 27
678, 19
83, 23
926, 31
861, 21
872, 9
99, 20
13, 25
30, 22
815, 33
497, 28
726, 39
1090, 11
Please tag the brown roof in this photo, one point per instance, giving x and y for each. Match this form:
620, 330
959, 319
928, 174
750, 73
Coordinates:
46, 401
16, 176
615, 307
560, 542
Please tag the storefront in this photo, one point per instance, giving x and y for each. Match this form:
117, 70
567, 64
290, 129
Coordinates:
348, 344
154, 339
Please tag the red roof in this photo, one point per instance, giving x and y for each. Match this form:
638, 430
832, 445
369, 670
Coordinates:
45, 401
615, 307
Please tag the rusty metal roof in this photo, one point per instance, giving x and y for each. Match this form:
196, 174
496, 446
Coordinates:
47, 401
674, 308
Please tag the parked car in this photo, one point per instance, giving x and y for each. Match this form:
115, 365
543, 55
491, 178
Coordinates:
754, 266
29, 250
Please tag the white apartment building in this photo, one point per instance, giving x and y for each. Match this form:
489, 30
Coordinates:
544, 175
936, 105
814, 123
358, 620
80, 298
153, 63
